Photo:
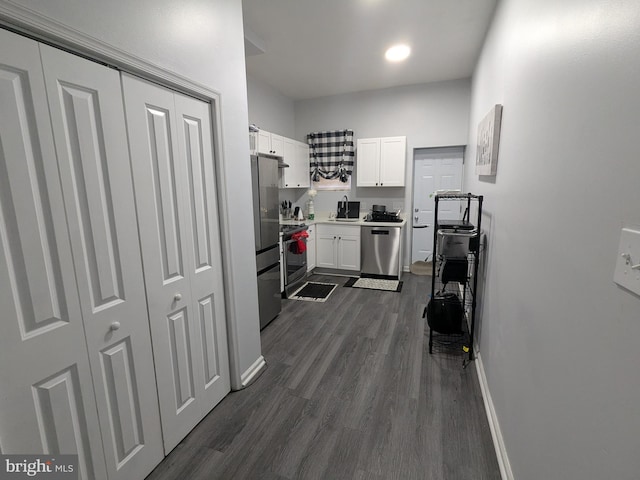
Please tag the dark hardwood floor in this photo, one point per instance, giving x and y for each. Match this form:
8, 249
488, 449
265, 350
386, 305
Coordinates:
350, 392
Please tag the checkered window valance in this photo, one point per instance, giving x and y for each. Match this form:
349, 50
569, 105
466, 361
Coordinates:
331, 154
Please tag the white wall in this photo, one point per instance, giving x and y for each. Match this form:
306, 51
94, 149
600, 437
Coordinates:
558, 339
202, 40
269, 109
429, 115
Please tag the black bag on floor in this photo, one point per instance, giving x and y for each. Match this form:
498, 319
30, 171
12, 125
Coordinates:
444, 313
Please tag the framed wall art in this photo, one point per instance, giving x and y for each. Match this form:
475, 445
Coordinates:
488, 142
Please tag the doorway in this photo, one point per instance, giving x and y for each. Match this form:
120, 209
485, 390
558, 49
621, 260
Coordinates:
434, 169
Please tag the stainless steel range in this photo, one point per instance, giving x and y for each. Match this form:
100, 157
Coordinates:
294, 256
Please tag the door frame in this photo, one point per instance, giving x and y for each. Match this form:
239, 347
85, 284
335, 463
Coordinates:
43, 29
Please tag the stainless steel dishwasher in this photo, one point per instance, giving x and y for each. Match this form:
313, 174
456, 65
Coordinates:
380, 251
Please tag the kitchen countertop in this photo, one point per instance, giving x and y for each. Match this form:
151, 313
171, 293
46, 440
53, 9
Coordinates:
326, 220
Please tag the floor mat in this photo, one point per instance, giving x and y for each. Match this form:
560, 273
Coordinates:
314, 292
375, 284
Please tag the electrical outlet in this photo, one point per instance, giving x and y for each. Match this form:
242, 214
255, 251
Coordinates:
627, 273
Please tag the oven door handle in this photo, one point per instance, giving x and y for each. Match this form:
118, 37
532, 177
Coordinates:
289, 242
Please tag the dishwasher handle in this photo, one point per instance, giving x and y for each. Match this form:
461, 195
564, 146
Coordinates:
379, 232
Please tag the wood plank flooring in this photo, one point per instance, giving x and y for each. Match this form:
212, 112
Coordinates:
350, 392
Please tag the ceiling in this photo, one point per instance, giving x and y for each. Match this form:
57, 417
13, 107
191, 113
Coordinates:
315, 48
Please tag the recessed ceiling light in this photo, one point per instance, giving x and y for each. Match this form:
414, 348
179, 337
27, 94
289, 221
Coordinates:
397, 53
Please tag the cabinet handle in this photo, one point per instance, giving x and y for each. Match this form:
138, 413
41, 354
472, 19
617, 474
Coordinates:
177, 297
339, 238
114, 326
376, 183
334, 237
381, 184
415, 210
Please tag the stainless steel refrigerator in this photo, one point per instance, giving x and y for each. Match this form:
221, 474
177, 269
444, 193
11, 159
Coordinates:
264, 177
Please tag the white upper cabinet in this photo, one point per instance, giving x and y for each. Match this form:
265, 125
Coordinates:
368, 168
381, 161
270, 143
296, 155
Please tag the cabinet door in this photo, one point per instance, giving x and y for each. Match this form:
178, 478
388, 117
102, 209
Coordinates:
368, 162
264, 142
277, 145
393, 158
204, 252
289, 157
302, 172
311, 248
173, 171
85, 102
349, 252
47, 398
326, 244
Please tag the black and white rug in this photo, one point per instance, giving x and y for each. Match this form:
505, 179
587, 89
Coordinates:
375, 284
314, 292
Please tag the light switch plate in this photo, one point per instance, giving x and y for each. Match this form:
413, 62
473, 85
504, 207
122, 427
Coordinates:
625, 274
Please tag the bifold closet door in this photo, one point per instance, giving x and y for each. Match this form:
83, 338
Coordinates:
85, 102
172, 158
47, 404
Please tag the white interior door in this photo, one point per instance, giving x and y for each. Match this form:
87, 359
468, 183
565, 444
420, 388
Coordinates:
437, 171
47, 403
171, 146
85, 101
205, 257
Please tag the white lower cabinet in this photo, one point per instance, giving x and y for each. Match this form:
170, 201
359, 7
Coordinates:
311, 248
338, 247
77, 368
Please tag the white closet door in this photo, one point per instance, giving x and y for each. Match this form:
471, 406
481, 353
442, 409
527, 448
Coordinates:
85, 102
175, 192
196, 146
47, 403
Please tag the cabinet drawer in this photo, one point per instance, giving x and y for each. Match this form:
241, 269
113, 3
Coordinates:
338, 230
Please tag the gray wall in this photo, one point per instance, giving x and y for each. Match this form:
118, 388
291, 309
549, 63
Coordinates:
269, 109
559, 340
203, 41
429, 115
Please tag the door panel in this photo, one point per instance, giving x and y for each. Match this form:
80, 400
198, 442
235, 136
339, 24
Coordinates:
49, 406
187, 312
163, 173
88, 120
435, 172
207, 287
92, 192
160, 179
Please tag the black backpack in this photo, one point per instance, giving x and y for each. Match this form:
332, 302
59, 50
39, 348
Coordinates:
445, 313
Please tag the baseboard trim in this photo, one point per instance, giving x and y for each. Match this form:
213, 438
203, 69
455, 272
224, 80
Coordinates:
494, 425
252, 372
